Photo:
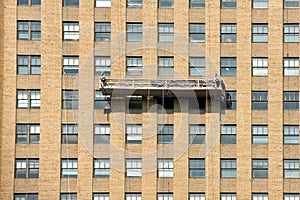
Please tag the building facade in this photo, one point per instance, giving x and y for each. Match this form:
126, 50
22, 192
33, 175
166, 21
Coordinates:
63, 137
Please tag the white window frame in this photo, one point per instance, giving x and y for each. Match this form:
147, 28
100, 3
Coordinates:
165, 196
260, 134
102, 65
69, 168
28, 98
291, 133
291, 168
103, 132
101, 196
196, 196
165, 66
134, 167
134, 133
259, 66
291, 3
133, 196
166, 32
228, 33
134, 66
103, 3
260, 196
259, 33
197, 66
228, 196
197, 130
291, 32
260, 4
291, 197
101, 167
71, 31
291, 66
32, 130
165, 167
228, 168
70, 65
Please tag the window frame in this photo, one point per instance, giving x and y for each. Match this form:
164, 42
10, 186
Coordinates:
134, 104
260, 4
231, 102
198, 134
105, 4
101, 101
29, 64
264, 168
228, 168
69, 4
290, 36
69, 168
72, 97
134, 66
133, 196
260, 64
197, 64
293, 4
291, 100
136, 132
26, 168
196, 32
228, 4
70, 65
26, 196
33, 30
289, 135
196, 196
289, 64
228, 196
102, 62
291, 196
133, 167
71, 31
69, 131
102, 133
136, 4
165, 32
28, 134
165, 66
168, 3
260, 33
30, 3
165, 168
102, 31
228, 66
228, 134
196, 4
260, 134
101, 167
291, 168
30, 97
260, 196
68, 196
262, 101
228, 33
197, 171
134, 31
165, 133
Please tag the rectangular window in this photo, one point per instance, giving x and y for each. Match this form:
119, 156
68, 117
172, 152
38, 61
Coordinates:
291, 169
29, 64
134, 3
231, 100
71, 30
197, 168
291, 66
29, 2
165, 104
134, 32
197, 32
165, 196
259, 168
27, 168
69, 134
29, 30
197, 3
102, 134
291, 197
291, 100
259, 196
228, 196
259, 32
165, 66
197, 66
228, 168
101, 196
165, 168
70, 65
134, 167
70, 99
71, 3
165, 32
260, 3
133, 196
166, 3
134, 66
228, 3
260, 100
26, 197
228, 32
165, 133
259, 66
69, 168
291, 3
134, 133
196, 196
101, 168
291, 32
228, 134
197, 134
69, 196
102, 32
228, 66
103, 3
28, 133
102, 65
134, 104
101, 101
260, 134
291, 134
28, 99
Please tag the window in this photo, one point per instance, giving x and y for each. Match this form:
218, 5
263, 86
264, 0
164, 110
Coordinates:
134, 104
197, 196
228, 32
228, 196
228, 3
291, 32
29, 98
291, 134
197, 105
134, 32
71, 30
259, 66
228, 66
291, 3
259, 196
134, 3
133, 196
134, 133
101, 168
29, 30
165, 66
197, 66
70, 134
101, 101
27, 168
103, 3
165, 32
134, 66
29, 64
70, 65
260, 3
28, 133
291, 169
259, 168
197, 134
69, 196
291, 197
69, 168
101, 196
291, 100
197, 168
165, 133
231, 100
165, 3
165, 104
29, 2
70, 99
259, 32
26, 197
260, 134
259, 100
102, 134
197, 32
291, 66
165, 168
102, 65
102, 32
228, 168
133, 167
228, 134
71, 3
165, 196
